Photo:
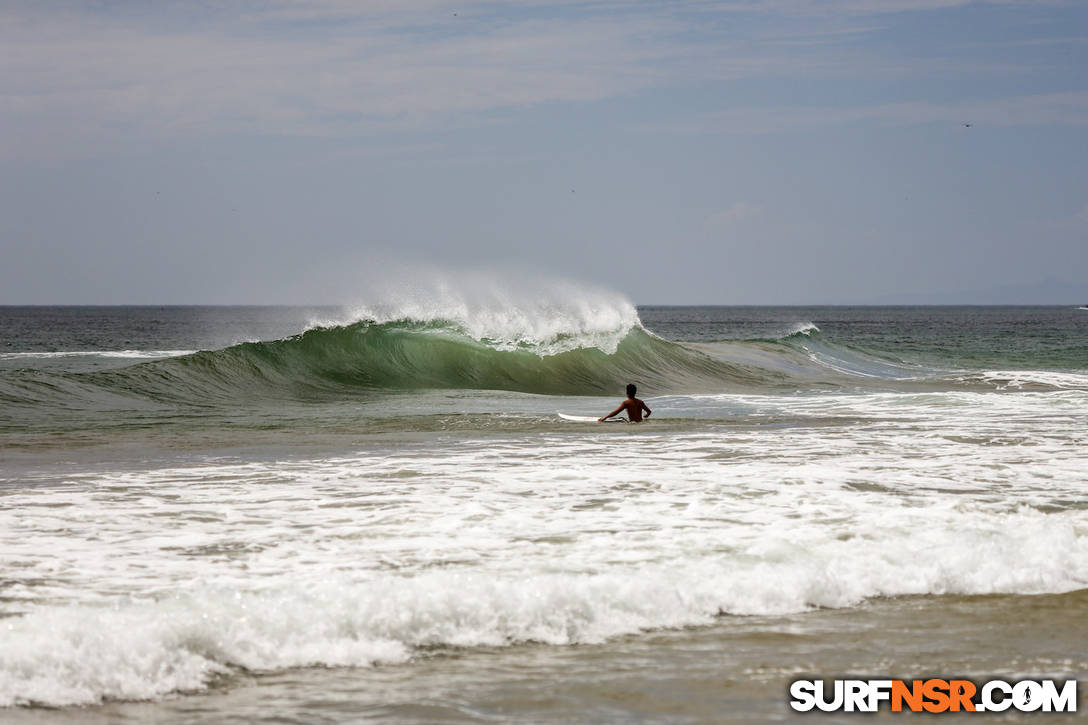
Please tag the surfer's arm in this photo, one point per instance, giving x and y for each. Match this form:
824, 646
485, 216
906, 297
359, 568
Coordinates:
617, 411
647, 409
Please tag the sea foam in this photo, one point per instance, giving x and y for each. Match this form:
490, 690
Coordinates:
548, 316
132, 650
137, 584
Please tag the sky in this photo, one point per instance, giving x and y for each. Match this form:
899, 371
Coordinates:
688, 152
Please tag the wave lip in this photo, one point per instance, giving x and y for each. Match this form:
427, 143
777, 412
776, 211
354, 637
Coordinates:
598, 353
438, 354
804, 328
547, 319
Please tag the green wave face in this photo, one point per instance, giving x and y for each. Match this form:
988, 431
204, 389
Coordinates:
406, 355
363, 358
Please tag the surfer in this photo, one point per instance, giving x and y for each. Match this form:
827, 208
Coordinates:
632, 405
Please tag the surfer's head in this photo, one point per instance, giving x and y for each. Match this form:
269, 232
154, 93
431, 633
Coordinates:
631, 390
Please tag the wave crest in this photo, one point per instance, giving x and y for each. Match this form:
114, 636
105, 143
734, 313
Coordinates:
546, 319
404, 355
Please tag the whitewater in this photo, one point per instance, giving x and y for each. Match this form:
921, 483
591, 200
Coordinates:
374, 511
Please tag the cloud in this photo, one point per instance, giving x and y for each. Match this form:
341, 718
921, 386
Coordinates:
94, 79
83, 79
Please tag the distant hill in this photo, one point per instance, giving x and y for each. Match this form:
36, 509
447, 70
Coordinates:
1045, 292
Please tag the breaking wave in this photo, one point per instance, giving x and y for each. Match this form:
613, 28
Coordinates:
574, 346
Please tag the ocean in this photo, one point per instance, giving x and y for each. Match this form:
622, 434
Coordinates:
329, 515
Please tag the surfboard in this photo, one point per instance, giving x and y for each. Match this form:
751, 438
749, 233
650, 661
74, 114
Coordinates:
589, 419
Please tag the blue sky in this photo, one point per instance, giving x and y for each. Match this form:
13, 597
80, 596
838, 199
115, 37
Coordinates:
758, 152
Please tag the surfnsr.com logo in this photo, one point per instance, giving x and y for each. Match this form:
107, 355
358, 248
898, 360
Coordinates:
934, 695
